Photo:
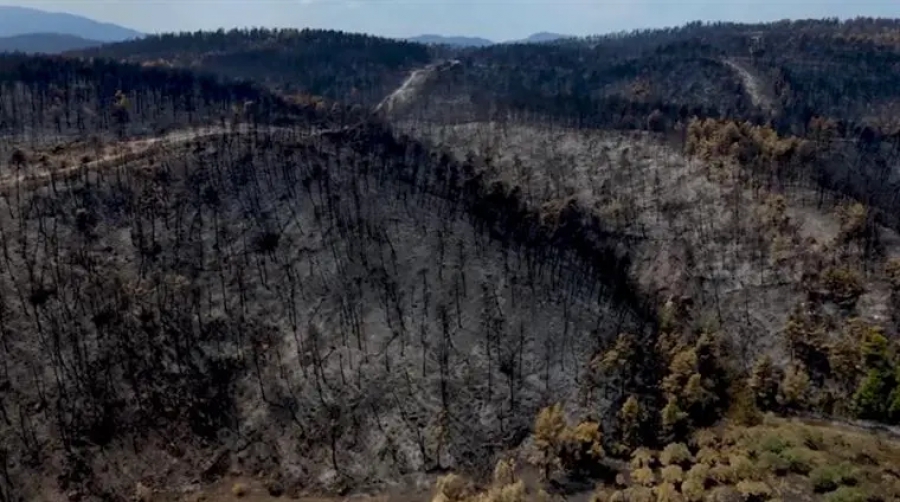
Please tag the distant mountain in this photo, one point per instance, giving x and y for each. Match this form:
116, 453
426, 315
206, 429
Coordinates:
542, 37
452, 41
24, 21
48, 43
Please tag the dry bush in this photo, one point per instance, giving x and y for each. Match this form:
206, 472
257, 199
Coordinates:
743, 468
504, 488
754, 491
892, 269
794, 391
708, 456
561, 446
239, 490
699, 473
842, 285
643, 476
642, 457
853, 219
514, 492
723, 494
723, 474
827, 478
640, 494
704, 438
693, 490
676, 454
505, 472
799, 459
850, 494
774, 463
602, 494
452, 488
667, 492
672, 474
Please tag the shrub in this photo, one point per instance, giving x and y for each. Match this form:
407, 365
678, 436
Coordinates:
549, 427
642, 457
744, 408
699, 473
643, 476
843, 286
893, 272
630, 418
705, 438
799, 459
723, 494
794, 388
693, 490
773, 443
558, 445
672, 474
853, 221
812, 438
847, 494
708, 456
639, 494
452, 488
723, 474
505, 472
742, 467
754, 491
667, 492
239, 490
514, 492
774, 463
872, 399
676, 454
580, 445
601, 495
829, 477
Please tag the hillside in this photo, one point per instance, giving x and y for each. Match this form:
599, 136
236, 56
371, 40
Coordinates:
336, 65
297, 300
771, 72
47, 43
25, 21
545, 260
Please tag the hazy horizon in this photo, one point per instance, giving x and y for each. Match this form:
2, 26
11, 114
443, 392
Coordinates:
495, 20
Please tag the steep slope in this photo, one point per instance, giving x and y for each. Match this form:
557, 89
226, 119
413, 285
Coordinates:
48, 43
692, 230
24, 20
332, 306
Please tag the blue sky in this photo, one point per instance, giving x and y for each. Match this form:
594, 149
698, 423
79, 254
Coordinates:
495, 19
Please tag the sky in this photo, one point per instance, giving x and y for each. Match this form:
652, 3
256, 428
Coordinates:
495, 19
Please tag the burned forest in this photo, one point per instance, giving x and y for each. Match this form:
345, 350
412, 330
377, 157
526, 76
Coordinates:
265, 264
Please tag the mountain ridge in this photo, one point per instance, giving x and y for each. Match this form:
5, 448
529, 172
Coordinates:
47, 43
463, 41
15, 21
456, 41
